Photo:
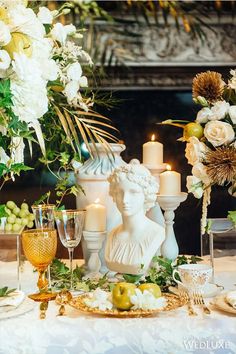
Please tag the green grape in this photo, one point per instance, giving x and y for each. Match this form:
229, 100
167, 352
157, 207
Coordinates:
16, 210
26, 212
10, 204
24, 206
30, 224
24, 221
18, 221
8, 211
31, 217
11, 219
8, 227
16, 227
22, 213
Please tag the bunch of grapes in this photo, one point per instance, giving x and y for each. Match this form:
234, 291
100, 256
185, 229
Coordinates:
18, 217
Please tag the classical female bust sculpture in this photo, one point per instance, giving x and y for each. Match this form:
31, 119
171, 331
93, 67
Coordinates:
131, 246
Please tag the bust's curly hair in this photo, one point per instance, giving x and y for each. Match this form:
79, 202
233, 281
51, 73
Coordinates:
136, 173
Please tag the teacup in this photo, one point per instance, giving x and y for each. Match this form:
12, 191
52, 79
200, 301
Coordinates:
193, 276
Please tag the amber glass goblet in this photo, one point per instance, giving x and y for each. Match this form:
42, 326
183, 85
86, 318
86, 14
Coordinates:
40, 247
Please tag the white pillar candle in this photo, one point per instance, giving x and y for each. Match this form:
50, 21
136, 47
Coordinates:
152, 152
170, 183
95, 218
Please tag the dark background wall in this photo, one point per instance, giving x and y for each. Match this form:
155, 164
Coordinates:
136, 116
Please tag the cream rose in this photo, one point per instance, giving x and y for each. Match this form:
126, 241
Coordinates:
219, 133
232, 81
232, 113
219, 110
195, 186
199, 171
5, 60
195, 150
5, 35
203, 115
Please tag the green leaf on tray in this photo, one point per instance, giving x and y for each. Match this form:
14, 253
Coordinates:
5, 291
3, 212
232, 216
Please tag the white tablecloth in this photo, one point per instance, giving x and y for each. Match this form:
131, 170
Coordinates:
173, 332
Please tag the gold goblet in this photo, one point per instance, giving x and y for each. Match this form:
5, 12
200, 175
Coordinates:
40, 248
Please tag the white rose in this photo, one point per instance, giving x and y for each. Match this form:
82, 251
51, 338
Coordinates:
219, 133
26, 69
194, 185
203, 115
45, 15
59, 32
195, 150
199, 171
219, 110
74, 71
71, 90
5, 35
5, 60
232, 113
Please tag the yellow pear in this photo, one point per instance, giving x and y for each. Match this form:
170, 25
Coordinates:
20, 43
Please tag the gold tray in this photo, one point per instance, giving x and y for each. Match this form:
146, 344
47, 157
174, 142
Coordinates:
173, 302
221, 303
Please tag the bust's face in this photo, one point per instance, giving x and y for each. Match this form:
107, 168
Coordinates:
129, 198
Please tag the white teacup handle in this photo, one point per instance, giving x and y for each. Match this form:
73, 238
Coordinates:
173, 275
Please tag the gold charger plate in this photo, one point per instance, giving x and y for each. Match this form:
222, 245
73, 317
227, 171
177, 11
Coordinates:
221, 303
173, 302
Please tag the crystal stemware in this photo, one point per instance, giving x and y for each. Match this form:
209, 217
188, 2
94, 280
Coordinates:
70, 226
40, 248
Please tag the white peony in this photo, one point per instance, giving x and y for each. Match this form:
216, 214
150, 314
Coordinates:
232, 113
5, 35
195, 150
22, 19
219, 110
71, 90
199, 171
219, 133
42, 49
203, 115
195, 186
26, 69
5, 61
59, 32
146, 301
45, 15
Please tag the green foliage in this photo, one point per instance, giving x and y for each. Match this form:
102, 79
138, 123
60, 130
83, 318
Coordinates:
232, 217
5, 291
161, 270
5, 94
3, 212
131, 278
15, 168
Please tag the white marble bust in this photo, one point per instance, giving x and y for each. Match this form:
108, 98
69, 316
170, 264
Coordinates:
137, 239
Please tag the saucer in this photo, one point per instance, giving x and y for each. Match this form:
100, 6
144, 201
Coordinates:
209, 290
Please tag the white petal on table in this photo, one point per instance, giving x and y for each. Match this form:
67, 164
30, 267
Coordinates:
13, 299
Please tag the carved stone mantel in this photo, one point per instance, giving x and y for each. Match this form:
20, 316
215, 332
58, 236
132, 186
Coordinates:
163, 58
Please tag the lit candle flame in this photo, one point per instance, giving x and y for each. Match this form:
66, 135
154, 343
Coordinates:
97, 201
153, 137
168, 167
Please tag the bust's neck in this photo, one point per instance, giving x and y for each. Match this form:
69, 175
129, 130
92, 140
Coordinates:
134, 222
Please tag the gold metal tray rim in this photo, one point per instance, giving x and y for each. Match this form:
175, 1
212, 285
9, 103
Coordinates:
174, 302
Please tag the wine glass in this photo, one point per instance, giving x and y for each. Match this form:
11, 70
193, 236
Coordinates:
44, 219
70, 227
40, 248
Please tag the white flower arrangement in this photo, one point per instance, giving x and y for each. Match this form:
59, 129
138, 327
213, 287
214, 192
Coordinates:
211, 139
41, 69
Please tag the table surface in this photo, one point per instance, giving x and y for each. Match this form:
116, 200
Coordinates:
173, 332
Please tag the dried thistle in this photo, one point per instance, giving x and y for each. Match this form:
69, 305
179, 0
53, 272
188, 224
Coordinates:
209, 85
221, 164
